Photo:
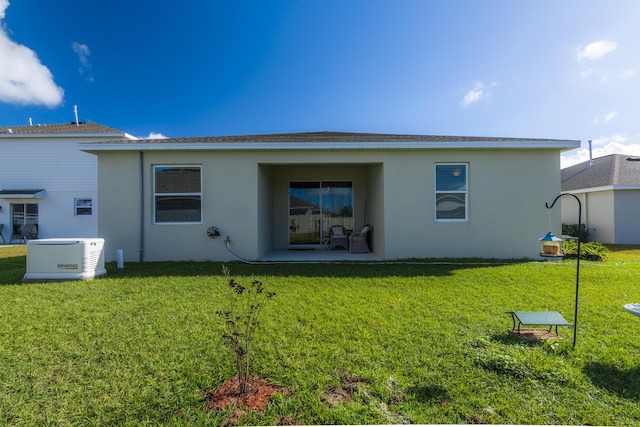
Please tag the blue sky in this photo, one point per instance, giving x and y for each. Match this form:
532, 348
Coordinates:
532, 68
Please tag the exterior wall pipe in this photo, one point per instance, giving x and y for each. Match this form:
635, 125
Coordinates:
141, 206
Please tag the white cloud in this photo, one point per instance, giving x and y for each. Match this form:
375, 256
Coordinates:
609, 75
606, 118
83, 52
596, 50
4, 4
23, 78
473, 95
156, 135
613, 144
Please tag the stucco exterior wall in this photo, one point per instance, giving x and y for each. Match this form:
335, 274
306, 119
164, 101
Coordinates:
119, 212
597, 214
507, 195
600, 216
610, 215
244, 194
627, 217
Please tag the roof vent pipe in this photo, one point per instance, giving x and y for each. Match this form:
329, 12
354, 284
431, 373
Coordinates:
30, 122
75, 112
590, 155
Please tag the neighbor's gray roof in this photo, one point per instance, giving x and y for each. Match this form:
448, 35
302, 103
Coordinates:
57, 129
607, 171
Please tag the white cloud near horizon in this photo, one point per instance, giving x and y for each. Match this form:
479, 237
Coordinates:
83, 52
156, 135
613, 144
24, 80
606, 118
596, 50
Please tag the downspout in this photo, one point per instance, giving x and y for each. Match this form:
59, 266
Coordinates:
141, 206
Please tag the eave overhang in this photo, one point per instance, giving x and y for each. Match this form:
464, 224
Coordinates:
560, 145
616, 187
22, 194
65, 135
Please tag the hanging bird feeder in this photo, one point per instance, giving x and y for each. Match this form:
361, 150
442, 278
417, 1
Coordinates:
551, 245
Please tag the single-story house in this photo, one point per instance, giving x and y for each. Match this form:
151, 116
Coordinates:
47, 183
609, 191
424, 196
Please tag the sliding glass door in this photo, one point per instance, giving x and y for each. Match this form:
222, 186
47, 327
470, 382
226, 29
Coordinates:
21, 215
315, 206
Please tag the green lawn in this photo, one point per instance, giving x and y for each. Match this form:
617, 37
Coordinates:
426, 341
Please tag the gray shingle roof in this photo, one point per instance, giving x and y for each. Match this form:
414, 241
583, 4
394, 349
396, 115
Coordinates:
335, 137
611, 170
329, 141
64, 128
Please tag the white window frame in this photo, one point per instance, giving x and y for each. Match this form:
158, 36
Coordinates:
464, 192
77, 207
176, 194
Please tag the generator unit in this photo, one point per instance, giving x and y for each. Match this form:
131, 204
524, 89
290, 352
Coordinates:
64, 259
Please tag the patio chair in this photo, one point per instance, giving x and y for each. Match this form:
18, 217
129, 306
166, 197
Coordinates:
359, 241
30, 232
24, 233
1, 227
338, 237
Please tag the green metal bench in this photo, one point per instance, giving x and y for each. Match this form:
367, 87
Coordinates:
538, 318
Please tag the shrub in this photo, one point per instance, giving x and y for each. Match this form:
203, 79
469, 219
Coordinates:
593, 251
572, 230
240, 322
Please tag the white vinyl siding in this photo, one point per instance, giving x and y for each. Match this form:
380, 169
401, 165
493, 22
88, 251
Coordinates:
65, 173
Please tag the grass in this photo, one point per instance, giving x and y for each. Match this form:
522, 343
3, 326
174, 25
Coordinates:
143, 344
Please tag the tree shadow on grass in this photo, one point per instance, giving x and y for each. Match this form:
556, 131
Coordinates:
509, 338
623, 382
409, 268
429, 394
12, 270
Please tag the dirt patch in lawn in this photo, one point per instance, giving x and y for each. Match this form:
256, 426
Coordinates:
534, 334
343, 393
257, 397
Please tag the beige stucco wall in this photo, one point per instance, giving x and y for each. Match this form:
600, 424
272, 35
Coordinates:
627, 217
119, 215
245, 196
507, 193
610, 215
597, 214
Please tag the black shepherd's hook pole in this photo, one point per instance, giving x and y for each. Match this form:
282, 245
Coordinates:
575, 316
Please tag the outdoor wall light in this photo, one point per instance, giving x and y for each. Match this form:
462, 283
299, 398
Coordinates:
213, 232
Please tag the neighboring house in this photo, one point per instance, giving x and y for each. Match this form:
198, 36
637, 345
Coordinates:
609, 191
425, 196
47, 181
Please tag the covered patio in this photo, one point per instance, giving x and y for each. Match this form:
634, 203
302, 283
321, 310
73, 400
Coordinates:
294, 223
